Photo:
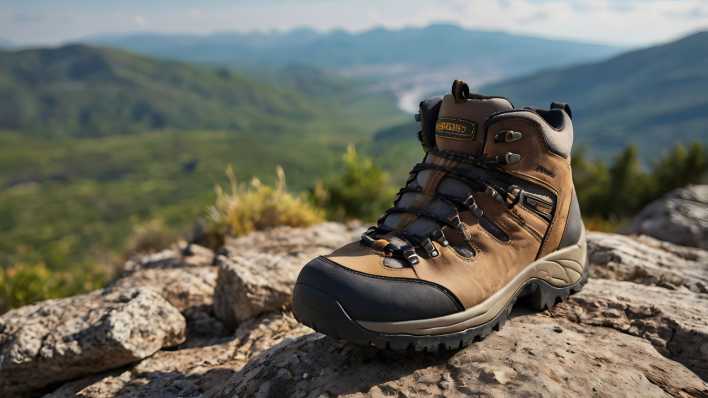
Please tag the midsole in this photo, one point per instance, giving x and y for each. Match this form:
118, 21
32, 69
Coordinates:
561, 268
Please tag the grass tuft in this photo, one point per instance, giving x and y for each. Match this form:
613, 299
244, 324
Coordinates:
244, 208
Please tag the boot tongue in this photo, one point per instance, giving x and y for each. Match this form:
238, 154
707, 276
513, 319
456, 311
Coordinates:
460, 122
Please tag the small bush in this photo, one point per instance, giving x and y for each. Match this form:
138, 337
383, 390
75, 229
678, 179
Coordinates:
23, 284
256, 206
150, 236
613, 193
361, 191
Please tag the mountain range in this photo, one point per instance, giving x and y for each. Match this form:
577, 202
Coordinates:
409, 61
79, 90
654, 98
112, 138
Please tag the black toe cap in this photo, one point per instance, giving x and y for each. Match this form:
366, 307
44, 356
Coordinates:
375, 298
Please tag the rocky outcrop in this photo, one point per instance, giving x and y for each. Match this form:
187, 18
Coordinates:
185, 276
638, 328
679, 217
58, 340
257, 273
647, 261
533, 355
198, 367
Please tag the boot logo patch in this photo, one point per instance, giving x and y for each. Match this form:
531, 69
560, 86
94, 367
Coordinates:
455, 128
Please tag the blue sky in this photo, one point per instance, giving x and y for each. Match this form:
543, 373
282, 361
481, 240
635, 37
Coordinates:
628, 22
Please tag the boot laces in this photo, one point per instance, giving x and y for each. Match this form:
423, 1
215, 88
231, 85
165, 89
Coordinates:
407, 245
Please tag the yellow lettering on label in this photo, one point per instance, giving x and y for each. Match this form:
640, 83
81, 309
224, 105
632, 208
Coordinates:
452, 127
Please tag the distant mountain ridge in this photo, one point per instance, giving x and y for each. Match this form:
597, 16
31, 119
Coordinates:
409, 61
653, 97
432, 45
80, 90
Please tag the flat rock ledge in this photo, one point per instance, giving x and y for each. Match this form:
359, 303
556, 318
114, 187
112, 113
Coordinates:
638, 328
680, 217
58, 340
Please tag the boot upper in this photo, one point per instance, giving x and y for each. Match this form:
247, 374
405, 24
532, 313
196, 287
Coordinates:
492, 194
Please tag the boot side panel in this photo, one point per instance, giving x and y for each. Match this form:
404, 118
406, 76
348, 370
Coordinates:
545, 161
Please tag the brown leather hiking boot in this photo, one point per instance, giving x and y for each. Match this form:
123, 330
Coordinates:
488, 217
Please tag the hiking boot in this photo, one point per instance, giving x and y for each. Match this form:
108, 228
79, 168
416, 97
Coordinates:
488, 217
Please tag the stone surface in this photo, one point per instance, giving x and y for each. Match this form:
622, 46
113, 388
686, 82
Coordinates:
679, 217
185, 276
579, 349
675, 322
199, 367
58, 340
638, 328
257, 273
647, 261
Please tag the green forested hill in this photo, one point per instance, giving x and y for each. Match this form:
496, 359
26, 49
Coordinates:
653, 97
84, 91
95, 141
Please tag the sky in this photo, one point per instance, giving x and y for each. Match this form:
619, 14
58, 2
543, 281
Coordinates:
624, 22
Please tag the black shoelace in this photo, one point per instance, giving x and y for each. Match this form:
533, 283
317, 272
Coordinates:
405, 245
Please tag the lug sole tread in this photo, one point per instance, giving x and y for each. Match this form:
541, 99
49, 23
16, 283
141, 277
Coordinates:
331, 319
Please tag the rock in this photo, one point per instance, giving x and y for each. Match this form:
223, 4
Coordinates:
675, 322
679, 217
185, 276
257, 273
647, 261
58, 340
287, 240
201, 366
639, 327
184, 288
181, 255
526, 358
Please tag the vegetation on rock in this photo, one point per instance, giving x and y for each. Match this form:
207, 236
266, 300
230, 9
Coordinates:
244, 208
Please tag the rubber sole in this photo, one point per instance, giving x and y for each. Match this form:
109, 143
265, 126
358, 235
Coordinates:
324, 314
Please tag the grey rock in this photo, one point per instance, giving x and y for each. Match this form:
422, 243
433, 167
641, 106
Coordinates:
679, 217
638, 328
180, 255
198, 367
185, 276
647, 261
257, 273
675, 322
58, 340
599, 353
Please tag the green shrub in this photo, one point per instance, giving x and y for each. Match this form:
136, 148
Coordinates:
360, 191
609, 195
256, 206
23, 284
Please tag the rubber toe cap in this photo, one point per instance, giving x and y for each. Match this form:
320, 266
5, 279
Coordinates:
367, 297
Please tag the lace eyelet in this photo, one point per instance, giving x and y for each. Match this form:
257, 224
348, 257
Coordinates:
508, 136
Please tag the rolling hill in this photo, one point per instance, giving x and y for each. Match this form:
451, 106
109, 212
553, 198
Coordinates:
78, 90
95, 141
411, 61
652, 97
